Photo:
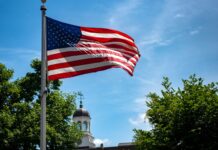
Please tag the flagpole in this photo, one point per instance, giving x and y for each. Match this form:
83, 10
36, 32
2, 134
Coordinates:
43, 81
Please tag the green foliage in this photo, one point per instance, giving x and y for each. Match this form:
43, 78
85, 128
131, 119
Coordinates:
185, 118
20, 112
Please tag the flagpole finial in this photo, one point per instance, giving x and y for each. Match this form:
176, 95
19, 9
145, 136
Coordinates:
43, 8
43, 1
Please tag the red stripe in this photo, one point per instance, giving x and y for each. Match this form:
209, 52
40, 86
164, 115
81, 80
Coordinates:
72, 74
130, 53
104, 40
87, 61
73, 53
83, 52
121, 46
103, 30
111, 46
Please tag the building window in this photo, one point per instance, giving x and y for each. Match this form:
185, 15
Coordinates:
79, 126
85, 126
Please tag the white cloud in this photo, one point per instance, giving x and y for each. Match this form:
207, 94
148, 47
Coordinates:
139, 120
164, 25
179, 15
165, 29
193, 32
22, 52
121, 13
139, 105
98, 142
158, 41
158, 35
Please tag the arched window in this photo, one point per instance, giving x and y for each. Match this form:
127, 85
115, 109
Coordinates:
85, 126
79, 126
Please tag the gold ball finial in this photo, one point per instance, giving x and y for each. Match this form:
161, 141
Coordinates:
43, 1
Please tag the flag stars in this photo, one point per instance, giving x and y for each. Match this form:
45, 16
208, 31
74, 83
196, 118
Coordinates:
60, 35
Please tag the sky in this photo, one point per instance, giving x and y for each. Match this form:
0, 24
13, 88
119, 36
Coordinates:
176, 38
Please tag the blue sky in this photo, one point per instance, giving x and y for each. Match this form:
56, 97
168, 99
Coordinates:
175, 38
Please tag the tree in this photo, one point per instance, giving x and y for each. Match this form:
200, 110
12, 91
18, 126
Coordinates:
185, 118
20, 112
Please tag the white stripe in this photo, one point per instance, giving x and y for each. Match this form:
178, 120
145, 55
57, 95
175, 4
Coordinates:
122, 44
68, 49
86, 56
61, 50
133, 59
108, 43
85, 67
106, 35
105, 48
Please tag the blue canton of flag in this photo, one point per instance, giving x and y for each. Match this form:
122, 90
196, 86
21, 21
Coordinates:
60, 35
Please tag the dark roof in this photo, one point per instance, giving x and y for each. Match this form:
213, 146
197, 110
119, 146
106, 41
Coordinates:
121, 146
81, 112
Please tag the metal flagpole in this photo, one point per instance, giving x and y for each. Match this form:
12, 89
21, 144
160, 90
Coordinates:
43, 81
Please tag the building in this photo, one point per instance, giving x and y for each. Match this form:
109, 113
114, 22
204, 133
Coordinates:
82, 117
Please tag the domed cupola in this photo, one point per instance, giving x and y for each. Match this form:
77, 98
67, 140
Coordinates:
81, 112
82, 117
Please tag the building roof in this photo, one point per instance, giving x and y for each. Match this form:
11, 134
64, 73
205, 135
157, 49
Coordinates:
121, 146
81, 112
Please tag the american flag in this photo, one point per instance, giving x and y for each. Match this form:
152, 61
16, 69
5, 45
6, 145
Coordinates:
74, 50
